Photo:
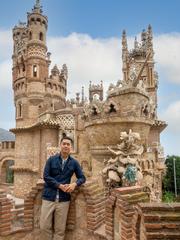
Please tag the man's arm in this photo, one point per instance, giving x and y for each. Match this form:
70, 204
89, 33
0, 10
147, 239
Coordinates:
51, 182
79, 175
80, 178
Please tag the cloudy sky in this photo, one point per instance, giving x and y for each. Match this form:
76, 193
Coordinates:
86, 35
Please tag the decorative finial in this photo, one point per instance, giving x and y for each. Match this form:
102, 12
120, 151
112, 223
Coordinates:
37, 7
124, 40
135, 43
124, 32
38, 4
82, 95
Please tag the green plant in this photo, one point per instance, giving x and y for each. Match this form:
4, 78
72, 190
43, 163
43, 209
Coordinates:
168, 197
168, 180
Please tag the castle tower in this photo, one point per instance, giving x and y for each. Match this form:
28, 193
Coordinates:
34, 91
124, 56
141, 58
96, 92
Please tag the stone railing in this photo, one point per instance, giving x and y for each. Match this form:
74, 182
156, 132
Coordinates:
95, 214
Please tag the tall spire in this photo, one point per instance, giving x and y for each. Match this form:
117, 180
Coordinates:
124, 40
143, 37
82, 99
135, 43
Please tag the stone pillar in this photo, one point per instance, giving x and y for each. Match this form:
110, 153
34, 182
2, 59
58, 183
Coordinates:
5, 214
124, 201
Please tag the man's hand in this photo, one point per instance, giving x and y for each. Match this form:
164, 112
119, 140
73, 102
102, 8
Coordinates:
67, 187
71, 187
63, 187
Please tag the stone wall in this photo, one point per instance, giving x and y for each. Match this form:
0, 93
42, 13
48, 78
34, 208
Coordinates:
122, 220
5, 214
161, 221
95, 214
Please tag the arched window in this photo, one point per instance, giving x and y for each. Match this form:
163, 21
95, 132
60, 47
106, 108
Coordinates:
94, 111
30, 35
19, 110
34, 70
24, 68
50, 85
41, 36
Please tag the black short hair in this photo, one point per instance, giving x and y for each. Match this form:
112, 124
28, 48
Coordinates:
66, 137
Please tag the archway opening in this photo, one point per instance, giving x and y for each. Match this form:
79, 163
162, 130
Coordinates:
7, 173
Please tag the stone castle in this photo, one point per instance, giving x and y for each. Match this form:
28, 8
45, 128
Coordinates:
109, 135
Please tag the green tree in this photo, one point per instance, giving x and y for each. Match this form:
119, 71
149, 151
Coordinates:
168, 181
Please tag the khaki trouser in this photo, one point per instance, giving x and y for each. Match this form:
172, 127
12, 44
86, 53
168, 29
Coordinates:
53, 212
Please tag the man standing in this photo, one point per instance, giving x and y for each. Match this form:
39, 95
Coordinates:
57, 188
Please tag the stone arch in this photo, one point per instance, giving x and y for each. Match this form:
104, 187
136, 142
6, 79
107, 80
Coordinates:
6, 173
152, 164
43, 22
19, 108
138, 224
55, 87
41, 36
35, 70
30, 35
38, 20
49, 85
94, 110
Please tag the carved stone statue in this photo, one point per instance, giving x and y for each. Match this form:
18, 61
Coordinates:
124, 169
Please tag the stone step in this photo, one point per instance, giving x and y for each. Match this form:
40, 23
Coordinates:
159, 226
161, 216
160, 207
163, 235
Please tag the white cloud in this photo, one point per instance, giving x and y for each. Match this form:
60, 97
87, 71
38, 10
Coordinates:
167, 49
87, 59
172, 116
90, 59
5, 44
5, 59
5, 74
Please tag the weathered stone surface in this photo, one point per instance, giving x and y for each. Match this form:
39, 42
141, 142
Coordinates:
43, 115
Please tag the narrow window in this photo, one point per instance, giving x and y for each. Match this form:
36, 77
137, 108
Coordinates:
94, 111
41, 36
24, 68
30, 36
19, 110
34, 71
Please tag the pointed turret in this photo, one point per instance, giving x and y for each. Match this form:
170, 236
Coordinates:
82, 96
124, 56
143, 38
135, 43
150, 40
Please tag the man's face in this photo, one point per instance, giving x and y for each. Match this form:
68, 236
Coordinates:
65, 146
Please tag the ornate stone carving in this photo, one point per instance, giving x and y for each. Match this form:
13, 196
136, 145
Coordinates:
124, 169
